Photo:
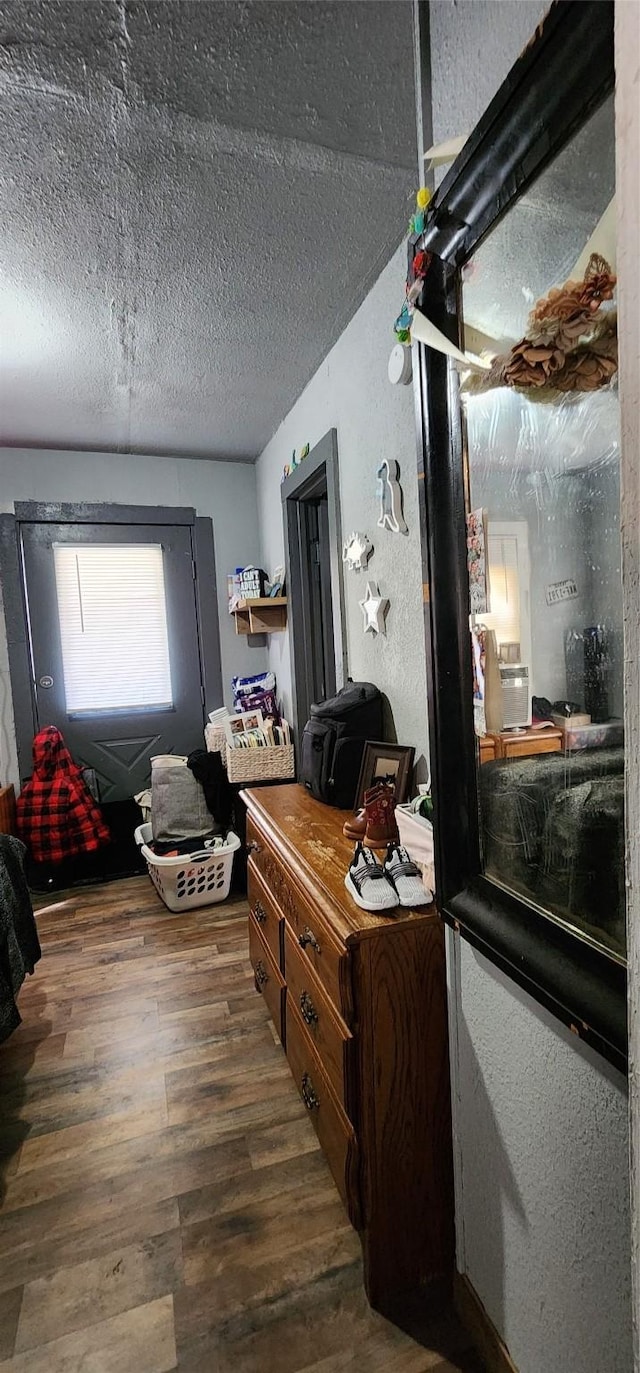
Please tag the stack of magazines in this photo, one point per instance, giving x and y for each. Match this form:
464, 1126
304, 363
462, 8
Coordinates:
267, 735
251, 729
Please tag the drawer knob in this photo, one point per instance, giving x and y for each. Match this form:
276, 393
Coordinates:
309, 1012
308, 1093
261, 975
308, 937
254, 847
259, 913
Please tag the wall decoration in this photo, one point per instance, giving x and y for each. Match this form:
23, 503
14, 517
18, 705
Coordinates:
374, 607
417, 221
390, 493
356, 552
561, 591
290, 467
418, 268
402, 326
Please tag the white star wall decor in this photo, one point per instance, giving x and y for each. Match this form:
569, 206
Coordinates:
374, 607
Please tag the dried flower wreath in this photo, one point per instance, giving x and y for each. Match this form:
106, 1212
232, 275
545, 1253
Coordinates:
571, 342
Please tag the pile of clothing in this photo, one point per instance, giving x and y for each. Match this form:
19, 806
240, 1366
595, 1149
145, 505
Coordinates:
191, 804
57, 817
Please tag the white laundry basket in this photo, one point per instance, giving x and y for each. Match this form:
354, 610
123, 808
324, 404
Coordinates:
188, 881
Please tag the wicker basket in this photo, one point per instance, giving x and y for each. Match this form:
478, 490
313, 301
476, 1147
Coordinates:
216, 740
251, 764
260, 764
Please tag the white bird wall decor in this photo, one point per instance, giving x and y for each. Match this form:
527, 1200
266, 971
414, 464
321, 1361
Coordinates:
390, 493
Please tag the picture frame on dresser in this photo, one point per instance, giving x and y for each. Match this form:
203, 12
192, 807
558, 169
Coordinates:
559, 87
392, 763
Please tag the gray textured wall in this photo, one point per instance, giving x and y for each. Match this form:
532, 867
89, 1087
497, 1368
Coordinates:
543, 1225
540, 1123
374, 421
223, 490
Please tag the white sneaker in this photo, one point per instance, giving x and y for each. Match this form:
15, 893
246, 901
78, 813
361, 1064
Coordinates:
405, 877
367, 884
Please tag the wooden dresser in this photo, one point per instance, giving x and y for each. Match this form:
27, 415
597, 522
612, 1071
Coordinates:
359, 1002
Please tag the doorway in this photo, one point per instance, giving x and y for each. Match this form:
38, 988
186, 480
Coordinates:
115, 647
313, 551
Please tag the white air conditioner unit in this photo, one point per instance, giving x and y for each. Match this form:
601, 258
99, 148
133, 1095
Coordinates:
515, 695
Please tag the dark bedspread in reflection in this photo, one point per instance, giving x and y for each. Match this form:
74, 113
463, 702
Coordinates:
553, 829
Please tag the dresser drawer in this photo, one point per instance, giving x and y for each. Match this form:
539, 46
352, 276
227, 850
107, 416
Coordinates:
328, 958
328, 1033
335, 1132
265, 912
268, 978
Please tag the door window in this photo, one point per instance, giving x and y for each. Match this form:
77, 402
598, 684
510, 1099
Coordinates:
113, 627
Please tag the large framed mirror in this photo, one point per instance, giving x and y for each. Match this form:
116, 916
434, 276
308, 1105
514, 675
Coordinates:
520, 459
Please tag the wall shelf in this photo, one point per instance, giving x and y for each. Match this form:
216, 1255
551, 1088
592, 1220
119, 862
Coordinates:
261, 615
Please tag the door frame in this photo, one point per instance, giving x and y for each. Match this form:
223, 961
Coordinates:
318, 471
15, 608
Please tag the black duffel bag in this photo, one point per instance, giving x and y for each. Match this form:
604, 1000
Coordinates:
333, 742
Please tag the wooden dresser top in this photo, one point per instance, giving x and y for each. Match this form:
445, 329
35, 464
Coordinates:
308, 836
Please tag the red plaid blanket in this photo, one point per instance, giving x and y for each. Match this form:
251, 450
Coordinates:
57, 815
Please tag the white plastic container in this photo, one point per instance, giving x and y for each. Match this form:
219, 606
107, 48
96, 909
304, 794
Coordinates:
187, 881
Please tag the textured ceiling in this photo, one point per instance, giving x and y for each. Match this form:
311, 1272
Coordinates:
195, 198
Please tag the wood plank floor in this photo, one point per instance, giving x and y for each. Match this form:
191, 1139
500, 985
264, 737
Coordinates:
164, 1204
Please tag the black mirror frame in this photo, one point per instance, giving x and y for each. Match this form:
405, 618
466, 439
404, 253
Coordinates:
563, 75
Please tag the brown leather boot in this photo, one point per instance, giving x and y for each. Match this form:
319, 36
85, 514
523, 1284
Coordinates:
381, 826
355, 827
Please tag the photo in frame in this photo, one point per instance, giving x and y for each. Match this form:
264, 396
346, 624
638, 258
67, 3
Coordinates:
381, 762
235, 725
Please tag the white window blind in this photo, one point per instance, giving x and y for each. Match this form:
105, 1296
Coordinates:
504, 590
113, 626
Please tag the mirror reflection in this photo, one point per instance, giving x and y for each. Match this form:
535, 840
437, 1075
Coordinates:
543, 539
